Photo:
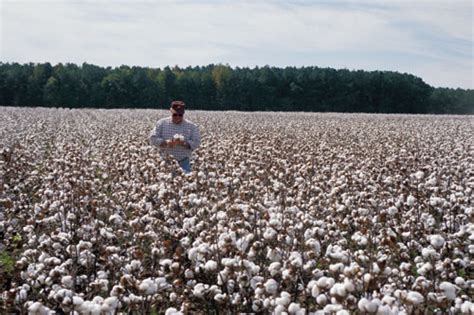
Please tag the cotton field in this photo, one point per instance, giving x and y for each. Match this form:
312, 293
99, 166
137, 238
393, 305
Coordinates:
297, 213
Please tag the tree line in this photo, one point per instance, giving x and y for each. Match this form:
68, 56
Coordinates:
221, 87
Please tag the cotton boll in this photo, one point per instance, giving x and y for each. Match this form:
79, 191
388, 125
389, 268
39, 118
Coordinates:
175, 267
94, 309
35, 307
259, 290
275, 223
343, 312
295, 308
425, 268
274, 255
469, 211
52, 261
437, 241
459, 281
148, 286
163, 262
135, 298
362, 304
310, 285
117, 290
405, 266
106, 233
467, 307
373, 305
338, 289
325, 282
332, 308
419, 175
193, 254
322, 299
388, 180
110, 304
40, 280
228, 262
284, 298
360, 239
392, 211
199, 290
242, 244
77, 301
43, 257
210, 265
220, 297
267, 303
133, 266
71, 216
296, 259
352, 270
383, 310
388, 300
279, 309
255, 280
411, 201
204, 247
101, 274
257, 305
271, 286
369, 306
314, 245
367, 278
161, 283
375, 268
254, 269
98, 300
449, 290
42, 310
274, 268
414, 298
269, 234
236, 299
336, 268
115, 219
315, 291
349, 285
172, 311
67, 281
286, 274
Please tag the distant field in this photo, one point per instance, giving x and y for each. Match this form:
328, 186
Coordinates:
283, 212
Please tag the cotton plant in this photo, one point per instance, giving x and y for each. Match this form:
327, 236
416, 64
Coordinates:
363, 215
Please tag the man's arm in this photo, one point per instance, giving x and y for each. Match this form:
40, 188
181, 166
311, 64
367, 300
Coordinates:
195, 139
156, 135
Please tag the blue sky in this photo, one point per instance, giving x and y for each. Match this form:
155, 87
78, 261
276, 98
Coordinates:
431, 39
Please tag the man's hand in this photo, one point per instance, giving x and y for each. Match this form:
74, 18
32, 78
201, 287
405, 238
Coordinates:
182, 143
168, 143
174, 142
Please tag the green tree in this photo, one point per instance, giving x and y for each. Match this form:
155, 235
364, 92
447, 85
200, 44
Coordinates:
220, 87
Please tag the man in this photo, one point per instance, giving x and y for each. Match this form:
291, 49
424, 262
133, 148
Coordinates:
176, 136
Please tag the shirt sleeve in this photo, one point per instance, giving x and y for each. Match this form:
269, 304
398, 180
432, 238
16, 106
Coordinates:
156, 135
195, 139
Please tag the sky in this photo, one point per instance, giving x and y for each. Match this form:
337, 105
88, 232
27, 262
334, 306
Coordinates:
431, 39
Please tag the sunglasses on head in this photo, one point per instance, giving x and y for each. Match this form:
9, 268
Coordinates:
177, 115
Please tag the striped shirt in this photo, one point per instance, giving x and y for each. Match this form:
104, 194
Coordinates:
165, 129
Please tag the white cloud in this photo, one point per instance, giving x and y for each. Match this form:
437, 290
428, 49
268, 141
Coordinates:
404, 35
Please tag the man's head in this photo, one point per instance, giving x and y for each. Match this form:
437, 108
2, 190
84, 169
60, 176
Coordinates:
177, 111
